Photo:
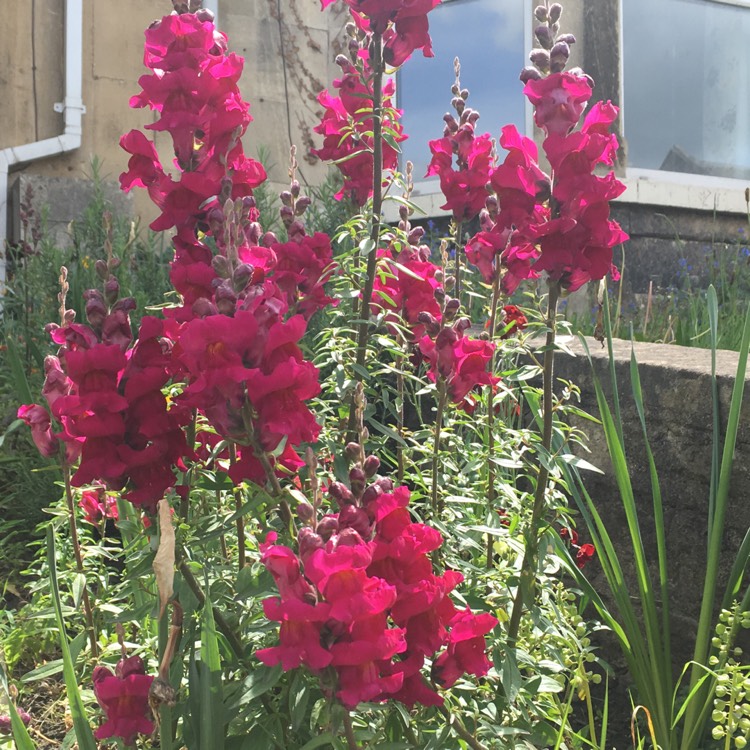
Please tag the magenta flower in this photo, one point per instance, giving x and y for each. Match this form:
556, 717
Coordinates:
124, 698
38, 419
559, 100
466, 652
406, 288
346, 120
465, 185
98, 505
461, 360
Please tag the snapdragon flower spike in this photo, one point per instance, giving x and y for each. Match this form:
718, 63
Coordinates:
560, 226
360, 599
405, 286
301, 266
234, 337
403, 25
346, 122
123, 697
105, 393
465, 184
193, 89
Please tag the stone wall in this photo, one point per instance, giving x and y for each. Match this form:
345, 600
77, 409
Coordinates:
676, 384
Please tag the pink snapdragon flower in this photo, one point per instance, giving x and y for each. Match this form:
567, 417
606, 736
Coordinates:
97, 505
124, 698
461, 360
346, 122
361, 597
402, 23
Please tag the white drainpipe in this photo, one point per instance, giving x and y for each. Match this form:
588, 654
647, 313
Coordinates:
70, 139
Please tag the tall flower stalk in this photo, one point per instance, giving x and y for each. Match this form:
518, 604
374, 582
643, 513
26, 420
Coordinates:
526, 584
556, 224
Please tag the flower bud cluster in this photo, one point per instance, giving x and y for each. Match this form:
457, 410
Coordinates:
554, 48
244, 310
465, 185
105, 393
360, 598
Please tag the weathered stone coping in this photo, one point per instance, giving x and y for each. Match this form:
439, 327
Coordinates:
679, 358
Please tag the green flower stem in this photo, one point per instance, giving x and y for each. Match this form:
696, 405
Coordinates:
461, 730
284, 510
262, 456
221, 623
79, 560
400, 426
222, 537
376, 61
351, 740
458, 246
237, 505
442, 387
491, 418
531, 551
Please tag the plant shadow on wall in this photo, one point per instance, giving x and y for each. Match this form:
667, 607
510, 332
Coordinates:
302, 505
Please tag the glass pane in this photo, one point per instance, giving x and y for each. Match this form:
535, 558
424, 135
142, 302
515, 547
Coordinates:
487, 36
687, 86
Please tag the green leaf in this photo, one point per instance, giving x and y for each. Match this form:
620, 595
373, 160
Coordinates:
579, 463
12, 427
260, 681
324, 739
84, 736
17, 727
212, 732
79, 586
511, 676
46, 670
18, 372
366, 246
299, 697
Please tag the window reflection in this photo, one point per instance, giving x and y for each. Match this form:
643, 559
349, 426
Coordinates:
687, 86
487, 36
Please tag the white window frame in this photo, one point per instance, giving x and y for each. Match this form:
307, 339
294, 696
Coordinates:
679, 189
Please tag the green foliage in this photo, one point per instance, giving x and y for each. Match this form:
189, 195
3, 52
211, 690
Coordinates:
680, 313
27, 481
642, 623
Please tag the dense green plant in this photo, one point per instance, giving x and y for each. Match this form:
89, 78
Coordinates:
642, 621
31, 301
344, 599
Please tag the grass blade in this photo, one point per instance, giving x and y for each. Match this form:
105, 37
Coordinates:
693, 725
18, 371
212, 699
713, 326
78, 713
657, 677
661, 540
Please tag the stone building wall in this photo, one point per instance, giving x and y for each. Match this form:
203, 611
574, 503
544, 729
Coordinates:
288, 45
